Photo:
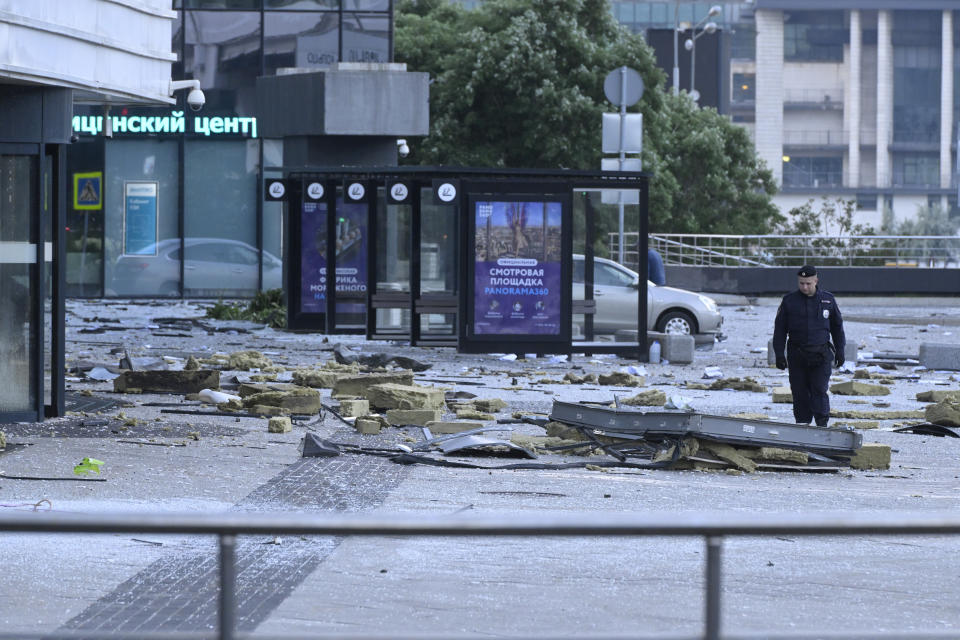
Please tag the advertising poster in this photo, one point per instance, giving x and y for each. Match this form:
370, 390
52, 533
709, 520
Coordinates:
517, 268
350, 245
140, 218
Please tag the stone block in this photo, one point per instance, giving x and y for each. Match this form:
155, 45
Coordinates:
316, 378
854, 388
293, 400
728, 454
871, 455
490, 405
247, 389
938, 395
280, 424
621, 379
400, 396
782, 395
419, 417
367, 426
357, 385
167, 381
946, 413
940, 355
677, 349
438, 427
355, 407
473, 414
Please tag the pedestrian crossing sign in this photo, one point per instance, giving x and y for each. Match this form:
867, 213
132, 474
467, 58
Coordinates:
88, 191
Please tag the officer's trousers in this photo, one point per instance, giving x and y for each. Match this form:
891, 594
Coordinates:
809, 388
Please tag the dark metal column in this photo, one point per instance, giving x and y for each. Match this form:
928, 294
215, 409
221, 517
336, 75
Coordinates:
711, 629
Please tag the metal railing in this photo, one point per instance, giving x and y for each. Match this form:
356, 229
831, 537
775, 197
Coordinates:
712, 528
712, 250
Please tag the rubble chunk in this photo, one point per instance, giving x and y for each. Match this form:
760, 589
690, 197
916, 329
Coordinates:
316, 378
192, 364
419, 417
400, 396
877, 415
782, 455
572, 378
472, 414
354, 408
729, 454
871, 455
564, 432
293, 400
265, 410
945, 413
854, 388
367, 426
280, 424
167, 381
621, 379
357, 385
737, 384
247, 389
648, 398
438, 427
246, 360
782, 395
938, 395
490, 405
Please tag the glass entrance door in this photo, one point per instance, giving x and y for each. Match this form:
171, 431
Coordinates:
19, 361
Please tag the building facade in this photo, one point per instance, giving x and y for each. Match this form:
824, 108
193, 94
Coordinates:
182, 210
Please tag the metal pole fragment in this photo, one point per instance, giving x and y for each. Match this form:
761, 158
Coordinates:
228, 581
711, 629
676, 58
623, 156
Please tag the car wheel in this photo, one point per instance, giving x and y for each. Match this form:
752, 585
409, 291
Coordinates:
678, 323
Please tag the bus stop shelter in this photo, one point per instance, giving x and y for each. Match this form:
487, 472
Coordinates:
479, 259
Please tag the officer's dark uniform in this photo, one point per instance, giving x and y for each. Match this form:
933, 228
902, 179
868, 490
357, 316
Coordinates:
809, 322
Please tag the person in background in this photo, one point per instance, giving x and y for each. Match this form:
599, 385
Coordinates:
655, 272
809, 317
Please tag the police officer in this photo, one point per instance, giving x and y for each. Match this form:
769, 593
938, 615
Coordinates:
806, 320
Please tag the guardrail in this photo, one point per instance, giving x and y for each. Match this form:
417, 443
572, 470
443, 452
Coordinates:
715, 250
713, 529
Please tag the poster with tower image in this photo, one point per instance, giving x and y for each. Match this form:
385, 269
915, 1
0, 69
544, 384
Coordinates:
517, 268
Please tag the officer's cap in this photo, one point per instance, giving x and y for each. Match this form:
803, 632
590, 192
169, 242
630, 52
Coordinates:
807, 271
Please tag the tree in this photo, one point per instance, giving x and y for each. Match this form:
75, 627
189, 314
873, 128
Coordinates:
519, 83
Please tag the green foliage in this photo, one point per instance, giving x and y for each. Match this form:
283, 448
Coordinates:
88, 465
519, 83
825, 227
267, 307
930, 221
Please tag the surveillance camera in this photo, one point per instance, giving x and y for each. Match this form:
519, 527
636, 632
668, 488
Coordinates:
402, 148
196, 99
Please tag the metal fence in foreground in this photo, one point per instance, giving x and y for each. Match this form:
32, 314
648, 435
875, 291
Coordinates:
713, 529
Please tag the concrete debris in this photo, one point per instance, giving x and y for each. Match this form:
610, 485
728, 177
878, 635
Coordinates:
246, 389
246, 360
439, 427
621, 379
294, 400
353, 408
401, 396
865, 374
542, 445
871, 455
737, 384
564, 432
938, 395
418, 417
263, 377
749, 415
776, 454
266, 410
192, 364
181, 382
688, 447
280, 424
729, 454
945, 413
344, 355
877, 415
367, 425
782, 395
3, 440
316, 378
854, 388
648, 398
356, 386
572, 378
231, 405
472, 414
490, 405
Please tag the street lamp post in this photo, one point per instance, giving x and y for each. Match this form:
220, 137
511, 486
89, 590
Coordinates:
691, 45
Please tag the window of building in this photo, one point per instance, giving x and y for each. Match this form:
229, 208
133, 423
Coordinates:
743, 42
866, 202
744, 88
916, 169
813, 171
814, 36
294, 39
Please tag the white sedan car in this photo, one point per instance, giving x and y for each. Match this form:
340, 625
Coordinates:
669, 310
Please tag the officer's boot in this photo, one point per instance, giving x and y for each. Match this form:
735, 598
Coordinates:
821, 420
